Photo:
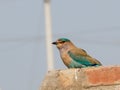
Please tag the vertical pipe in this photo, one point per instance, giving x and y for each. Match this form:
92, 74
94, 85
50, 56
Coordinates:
48, 27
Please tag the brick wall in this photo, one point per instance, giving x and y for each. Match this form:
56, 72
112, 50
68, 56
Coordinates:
94, 78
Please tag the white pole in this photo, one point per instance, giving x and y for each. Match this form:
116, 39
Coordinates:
48, 28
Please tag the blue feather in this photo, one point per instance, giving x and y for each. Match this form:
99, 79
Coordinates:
80, 59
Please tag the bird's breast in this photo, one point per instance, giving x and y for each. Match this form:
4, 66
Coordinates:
65, 58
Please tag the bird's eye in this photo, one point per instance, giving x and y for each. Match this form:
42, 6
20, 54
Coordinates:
62, 42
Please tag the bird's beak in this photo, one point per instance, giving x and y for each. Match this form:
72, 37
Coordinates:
55, 43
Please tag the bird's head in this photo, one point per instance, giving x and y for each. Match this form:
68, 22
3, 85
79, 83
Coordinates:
62, 42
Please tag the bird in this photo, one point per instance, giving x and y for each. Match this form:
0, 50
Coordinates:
74, 57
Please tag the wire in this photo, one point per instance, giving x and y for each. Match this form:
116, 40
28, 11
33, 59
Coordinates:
21, 39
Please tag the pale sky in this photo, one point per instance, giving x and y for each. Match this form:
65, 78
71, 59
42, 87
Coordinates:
91, 24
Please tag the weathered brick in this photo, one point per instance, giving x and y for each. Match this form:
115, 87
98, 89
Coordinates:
103, 76
92, 78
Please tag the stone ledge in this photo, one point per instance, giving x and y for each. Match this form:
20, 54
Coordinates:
92, 78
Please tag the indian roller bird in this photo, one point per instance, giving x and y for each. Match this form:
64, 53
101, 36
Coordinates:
74, 57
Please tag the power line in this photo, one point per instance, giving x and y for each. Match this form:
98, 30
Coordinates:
95, 30
38, 39
20, 39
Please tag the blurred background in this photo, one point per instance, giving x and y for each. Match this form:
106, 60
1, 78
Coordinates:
93, 25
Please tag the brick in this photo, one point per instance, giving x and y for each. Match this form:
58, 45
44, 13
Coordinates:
103, 76
92, 78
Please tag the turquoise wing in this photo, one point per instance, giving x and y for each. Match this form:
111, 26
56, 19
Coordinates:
81, 58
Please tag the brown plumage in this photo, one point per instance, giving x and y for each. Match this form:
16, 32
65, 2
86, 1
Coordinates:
74, 57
